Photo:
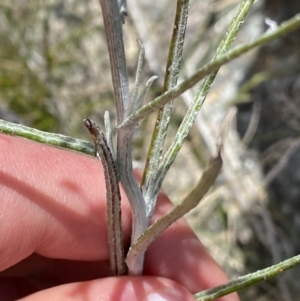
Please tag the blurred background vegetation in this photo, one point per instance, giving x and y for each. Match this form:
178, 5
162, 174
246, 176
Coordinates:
54, 71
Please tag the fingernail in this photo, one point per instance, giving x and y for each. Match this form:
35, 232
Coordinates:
163, 296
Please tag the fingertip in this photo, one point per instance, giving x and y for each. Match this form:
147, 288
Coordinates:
117, 289
165, 296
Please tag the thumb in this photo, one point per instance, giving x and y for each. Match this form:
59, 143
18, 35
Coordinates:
116, 289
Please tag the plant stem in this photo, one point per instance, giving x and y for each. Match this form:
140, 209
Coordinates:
113, 198
189, 202
199, 98
114, 36
164, 114
282, 30
47, 138
247, 280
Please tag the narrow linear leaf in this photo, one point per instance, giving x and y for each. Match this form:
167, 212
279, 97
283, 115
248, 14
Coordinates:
192, 200
247, 280
59, 140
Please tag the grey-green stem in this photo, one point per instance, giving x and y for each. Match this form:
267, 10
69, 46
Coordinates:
208, 178
164, 115
53, 139
248, 280
113, 198
114, 36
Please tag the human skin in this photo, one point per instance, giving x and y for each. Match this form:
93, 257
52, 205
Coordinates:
53, 234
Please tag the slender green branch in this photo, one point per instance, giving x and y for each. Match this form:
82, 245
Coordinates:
247, 280
282, 30
199, 98
47, 138
164, 114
